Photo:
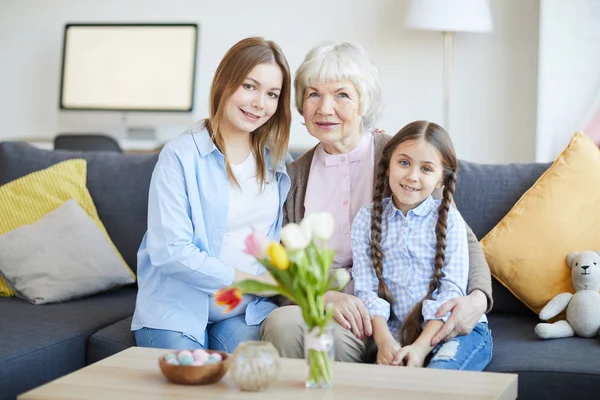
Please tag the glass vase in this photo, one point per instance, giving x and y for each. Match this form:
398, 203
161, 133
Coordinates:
319, 354
254, 365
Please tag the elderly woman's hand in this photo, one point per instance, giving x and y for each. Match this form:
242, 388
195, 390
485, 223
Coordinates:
350, 312
465, 312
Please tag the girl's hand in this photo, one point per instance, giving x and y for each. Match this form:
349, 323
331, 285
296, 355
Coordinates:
410, 356
386, 352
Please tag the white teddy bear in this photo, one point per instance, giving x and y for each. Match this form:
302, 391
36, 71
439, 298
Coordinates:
583, 307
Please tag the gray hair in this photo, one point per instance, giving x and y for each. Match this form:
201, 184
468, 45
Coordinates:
346, 61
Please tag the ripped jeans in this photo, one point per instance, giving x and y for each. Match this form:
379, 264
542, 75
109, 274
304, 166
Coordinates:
472, 352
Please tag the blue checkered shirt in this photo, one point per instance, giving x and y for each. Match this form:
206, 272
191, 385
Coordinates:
409, 245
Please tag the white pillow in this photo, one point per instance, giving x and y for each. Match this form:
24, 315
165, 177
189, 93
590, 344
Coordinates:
61, 256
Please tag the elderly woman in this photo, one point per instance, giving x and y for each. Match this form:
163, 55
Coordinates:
339, 94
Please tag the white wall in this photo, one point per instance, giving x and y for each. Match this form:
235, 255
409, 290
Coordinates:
569, 72
493, 115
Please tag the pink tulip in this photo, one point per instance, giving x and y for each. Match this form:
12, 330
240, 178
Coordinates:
257, 244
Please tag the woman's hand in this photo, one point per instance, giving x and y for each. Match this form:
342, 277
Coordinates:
387, 350
465, 313
410, 356
350, 312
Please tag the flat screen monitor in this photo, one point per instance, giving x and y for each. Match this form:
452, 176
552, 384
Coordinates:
129, 67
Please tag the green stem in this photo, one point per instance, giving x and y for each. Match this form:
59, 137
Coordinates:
320, 367
326, 366
315, 313
329, 372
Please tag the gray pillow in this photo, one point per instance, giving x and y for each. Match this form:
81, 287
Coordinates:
61, 256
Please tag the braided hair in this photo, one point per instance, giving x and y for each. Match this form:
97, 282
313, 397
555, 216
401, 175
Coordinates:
438, 137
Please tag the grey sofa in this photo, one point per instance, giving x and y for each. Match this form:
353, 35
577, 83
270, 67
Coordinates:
41, 343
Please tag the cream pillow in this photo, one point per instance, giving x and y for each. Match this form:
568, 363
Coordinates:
558, 215
60, 257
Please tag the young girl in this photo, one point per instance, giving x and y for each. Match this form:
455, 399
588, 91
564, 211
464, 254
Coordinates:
211, 186
410, 254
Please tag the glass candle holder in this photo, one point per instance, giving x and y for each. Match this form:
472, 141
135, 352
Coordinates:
254, 365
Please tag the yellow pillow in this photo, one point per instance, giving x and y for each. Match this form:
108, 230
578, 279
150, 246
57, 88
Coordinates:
559, 214
27, 199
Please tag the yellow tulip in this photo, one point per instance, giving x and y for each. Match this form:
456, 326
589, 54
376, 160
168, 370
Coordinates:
278, 256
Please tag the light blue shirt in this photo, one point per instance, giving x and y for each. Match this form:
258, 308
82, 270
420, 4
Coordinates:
178, 265
409, 246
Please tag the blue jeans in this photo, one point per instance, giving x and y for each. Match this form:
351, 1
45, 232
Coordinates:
472, 352
224, 335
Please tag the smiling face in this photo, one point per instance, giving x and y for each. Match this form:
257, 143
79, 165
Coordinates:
255, 101
415, 171
331, 114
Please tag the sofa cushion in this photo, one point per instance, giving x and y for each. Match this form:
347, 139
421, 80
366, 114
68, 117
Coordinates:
110, 340
25, 200
506, 302
118, 184
548, 369
42, 343
485, 193
527, 250
62, 256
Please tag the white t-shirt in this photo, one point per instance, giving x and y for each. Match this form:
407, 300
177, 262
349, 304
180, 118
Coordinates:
252, 206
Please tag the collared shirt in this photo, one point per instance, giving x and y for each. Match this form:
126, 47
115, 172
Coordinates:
178, 261
341, 184
409, 246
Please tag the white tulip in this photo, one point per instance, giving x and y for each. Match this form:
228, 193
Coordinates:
306, 226
322, 225
293, 238
342, 277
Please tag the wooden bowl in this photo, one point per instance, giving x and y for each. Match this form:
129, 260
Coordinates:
195, 374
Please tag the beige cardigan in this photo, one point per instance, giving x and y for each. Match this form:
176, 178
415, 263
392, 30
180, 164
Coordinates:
293, 211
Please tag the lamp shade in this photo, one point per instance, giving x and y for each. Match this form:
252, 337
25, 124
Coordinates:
450, 15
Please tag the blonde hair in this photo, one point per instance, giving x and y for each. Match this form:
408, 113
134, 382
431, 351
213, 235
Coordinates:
237, 63
346, 61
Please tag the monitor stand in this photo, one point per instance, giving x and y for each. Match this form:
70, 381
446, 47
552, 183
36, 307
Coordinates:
141, 133
137, 132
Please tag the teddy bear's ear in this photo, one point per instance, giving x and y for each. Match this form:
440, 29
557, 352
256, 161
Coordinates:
598, 252
570, 258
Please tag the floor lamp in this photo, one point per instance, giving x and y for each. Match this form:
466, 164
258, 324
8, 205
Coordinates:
449, 16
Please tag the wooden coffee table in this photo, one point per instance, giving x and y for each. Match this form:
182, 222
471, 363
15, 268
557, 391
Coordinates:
134, 374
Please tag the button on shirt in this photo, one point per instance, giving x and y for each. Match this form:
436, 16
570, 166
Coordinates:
409, 246
341, 184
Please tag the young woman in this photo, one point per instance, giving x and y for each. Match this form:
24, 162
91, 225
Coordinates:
211, 186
